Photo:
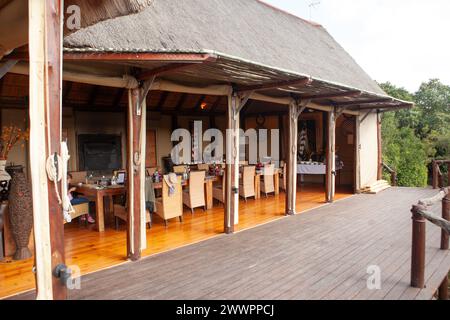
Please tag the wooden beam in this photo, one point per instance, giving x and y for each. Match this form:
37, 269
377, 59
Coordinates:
331, 157
124, 56
231, 211
365, 116
162, 100
379, 149
353, 93
364, 102
145, 75
382, 107
216, 104
291, 160
45, 43
118, 97
93, 96
67, 90
180, 103
294, 83
136, 174
4, 68
139, 56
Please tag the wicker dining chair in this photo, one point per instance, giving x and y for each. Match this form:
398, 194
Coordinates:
194, 196
170, 206
268, 184
247, 183
179, 169
219, 191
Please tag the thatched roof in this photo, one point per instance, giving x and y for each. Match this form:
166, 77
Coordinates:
245, 29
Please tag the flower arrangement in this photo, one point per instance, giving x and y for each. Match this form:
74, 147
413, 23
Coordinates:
11, 135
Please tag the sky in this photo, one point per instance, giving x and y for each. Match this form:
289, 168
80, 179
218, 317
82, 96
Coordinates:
406, 42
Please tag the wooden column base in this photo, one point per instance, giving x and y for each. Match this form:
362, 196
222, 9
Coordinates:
229, 230
290, 213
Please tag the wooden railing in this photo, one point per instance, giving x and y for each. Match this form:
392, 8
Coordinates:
393, 173
420, 214
438, 177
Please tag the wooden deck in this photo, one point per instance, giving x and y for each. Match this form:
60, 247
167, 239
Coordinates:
323, 254
92, 251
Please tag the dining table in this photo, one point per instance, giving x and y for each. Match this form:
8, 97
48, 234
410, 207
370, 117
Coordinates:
98, 194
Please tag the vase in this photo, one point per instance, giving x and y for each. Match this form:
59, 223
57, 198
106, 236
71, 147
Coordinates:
20, 212
4, 181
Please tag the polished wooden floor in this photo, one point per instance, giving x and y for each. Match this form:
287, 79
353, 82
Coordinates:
91, 251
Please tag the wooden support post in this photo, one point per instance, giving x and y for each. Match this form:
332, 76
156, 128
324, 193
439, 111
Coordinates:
358, 154
4, 68
435, 174
443, 289
45, 51
418, 249
331, 157
136, 235
291, 160
232, 165
446, 216
380, 148
448, 174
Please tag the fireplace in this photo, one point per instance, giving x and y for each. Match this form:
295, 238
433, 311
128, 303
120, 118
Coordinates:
99, 152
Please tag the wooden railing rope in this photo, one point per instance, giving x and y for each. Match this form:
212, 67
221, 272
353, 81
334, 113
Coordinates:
438, 177
420, 214
393, 173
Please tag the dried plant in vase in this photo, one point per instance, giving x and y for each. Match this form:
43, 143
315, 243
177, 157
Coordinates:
11, 135
20, 211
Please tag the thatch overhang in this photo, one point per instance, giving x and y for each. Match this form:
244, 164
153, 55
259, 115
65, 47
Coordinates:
253, 44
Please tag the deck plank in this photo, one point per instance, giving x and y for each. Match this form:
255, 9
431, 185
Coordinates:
322, 254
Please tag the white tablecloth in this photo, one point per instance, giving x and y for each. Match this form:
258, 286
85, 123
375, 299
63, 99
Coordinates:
309, 168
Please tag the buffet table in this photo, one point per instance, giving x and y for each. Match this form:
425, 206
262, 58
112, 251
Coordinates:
311, 168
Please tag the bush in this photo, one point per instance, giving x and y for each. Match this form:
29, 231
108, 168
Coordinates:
405, 153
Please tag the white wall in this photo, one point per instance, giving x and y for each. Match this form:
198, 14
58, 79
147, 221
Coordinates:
368, 150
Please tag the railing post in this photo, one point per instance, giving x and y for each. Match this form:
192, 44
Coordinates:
435, 175
418, 249
446, 216
443, 289
440, 181
394, 178
448, 174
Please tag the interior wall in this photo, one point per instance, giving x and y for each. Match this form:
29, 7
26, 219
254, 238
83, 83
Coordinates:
81, 122
368, 150
345, 149
162, 126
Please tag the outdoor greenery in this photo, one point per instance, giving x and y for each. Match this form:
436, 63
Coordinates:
412, 138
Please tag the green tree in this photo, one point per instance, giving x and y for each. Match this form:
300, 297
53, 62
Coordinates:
433, 100
402, 149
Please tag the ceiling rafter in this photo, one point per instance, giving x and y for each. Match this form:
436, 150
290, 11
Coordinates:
364, 102
182, 100
93, 96
162, 100
352, 93
274, 85
67, 90
146, 75
118, 97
